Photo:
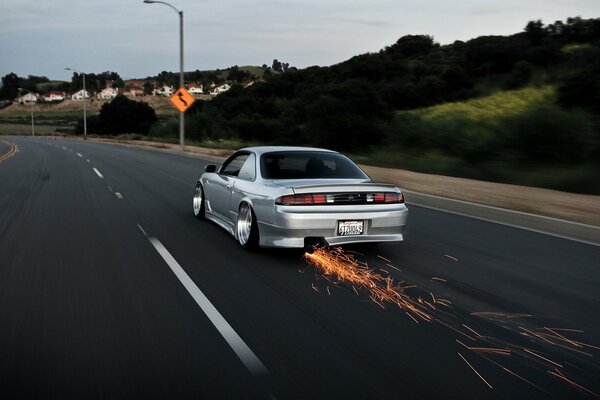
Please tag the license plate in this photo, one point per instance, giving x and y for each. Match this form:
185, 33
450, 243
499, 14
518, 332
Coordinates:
346, 228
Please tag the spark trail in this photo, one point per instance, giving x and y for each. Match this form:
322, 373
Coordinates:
534, 348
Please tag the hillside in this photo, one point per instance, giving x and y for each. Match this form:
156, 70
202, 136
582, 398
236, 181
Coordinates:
521, 108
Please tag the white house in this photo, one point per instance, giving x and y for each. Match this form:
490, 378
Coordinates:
164, 91
79, 95
54, 96
107, 94
28, 98
220, 89
195, 88
132, 91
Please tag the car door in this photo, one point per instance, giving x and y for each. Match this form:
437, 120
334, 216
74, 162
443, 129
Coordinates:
223, 184
243, 185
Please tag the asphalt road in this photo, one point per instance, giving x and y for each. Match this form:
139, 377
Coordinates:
93, 303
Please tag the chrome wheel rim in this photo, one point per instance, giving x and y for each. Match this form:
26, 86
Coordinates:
197, 199
244, 224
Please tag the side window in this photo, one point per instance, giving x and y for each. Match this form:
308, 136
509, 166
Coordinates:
248, 170
233, 167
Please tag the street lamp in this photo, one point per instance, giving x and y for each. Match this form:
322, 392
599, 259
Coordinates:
181, 120
84, 101
32, 123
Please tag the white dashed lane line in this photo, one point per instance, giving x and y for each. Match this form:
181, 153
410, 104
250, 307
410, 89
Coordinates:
241, 349
79, 155
98, 173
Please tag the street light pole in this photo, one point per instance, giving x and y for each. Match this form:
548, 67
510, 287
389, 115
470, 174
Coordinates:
32, 123
181, 80
84, 101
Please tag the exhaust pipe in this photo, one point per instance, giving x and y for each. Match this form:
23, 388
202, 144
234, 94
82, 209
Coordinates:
310, 243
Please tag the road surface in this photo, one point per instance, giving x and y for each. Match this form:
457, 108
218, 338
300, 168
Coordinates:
110, 288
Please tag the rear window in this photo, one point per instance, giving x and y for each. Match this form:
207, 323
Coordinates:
308, 165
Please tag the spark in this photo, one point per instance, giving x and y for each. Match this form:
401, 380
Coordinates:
344, 269
474, 370
396, 268
432, 297
384, 259
543, 358
472, 330
572, 342
562, 376
514, 374
493, 350
381, 290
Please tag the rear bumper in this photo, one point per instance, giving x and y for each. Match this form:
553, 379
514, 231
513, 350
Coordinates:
292, 224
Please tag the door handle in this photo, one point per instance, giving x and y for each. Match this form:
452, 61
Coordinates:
228, 187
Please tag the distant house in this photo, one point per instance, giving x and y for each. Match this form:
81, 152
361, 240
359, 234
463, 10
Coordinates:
218, 89
133, 91
195, 88
107, 94
135, 83
54, 96
163, 91
79, 95
28, 98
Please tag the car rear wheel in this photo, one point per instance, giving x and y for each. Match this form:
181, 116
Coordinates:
199, 209
246, 230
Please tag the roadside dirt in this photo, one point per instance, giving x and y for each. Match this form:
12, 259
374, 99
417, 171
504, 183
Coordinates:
160, 104
579, 208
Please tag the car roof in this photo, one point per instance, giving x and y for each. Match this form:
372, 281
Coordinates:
268, 149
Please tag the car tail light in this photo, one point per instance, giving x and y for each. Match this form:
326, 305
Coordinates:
301, 199
394, 198
340, 199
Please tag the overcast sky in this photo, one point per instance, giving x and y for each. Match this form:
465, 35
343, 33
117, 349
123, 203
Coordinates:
42, 37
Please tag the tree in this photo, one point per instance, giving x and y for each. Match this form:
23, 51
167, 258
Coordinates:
237, 75
581, 89
122, 115
535, 31
10, 86
148, 87
412, 45
277, 66
119, 83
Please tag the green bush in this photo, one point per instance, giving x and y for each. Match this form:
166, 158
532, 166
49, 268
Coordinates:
123, 115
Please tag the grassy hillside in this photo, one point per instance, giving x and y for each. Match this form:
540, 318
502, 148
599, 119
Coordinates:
517, 136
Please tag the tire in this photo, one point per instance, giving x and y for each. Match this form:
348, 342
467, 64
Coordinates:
246, 228
198, 202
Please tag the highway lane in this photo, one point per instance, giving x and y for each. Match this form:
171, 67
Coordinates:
92, 307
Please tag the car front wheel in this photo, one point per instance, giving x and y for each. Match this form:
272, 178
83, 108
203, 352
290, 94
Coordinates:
246, 230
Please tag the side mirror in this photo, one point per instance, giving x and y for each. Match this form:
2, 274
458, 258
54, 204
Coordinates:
210, 168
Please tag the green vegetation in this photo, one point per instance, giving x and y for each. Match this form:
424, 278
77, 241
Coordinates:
523, 108
520, 136
121, 115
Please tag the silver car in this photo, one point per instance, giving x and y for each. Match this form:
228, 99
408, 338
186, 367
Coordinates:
296, 197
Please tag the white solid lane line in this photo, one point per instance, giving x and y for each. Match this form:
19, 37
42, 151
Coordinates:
241, 349
98, 173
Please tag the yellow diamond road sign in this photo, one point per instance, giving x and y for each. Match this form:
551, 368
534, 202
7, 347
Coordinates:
182, 100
